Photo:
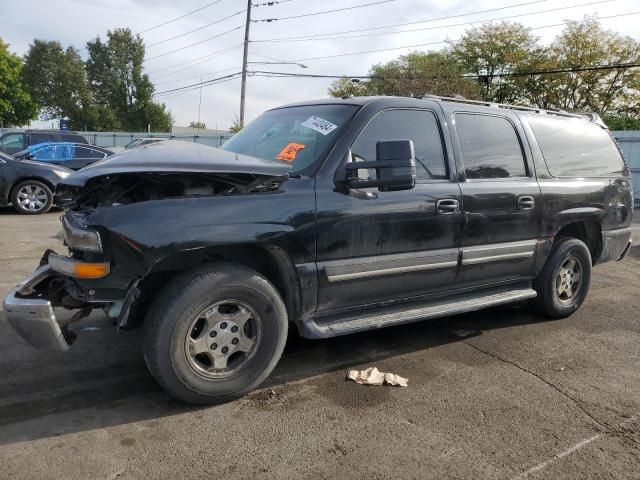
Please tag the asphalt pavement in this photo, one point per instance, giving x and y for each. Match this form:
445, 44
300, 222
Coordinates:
498, 394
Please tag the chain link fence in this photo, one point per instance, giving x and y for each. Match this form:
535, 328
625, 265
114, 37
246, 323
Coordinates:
629, 142
121, 139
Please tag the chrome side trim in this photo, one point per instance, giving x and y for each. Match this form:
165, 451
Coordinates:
390, 271
366, 267
498, 251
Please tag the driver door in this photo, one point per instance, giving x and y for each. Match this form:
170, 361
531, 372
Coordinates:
378, 247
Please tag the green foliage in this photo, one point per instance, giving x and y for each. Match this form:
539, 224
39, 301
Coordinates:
491, 50
116, 77
57, 81
622, 122
586, 43
235, 126
16, 105
415, 74
195, 124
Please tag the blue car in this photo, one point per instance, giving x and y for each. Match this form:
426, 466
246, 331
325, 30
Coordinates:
70, 155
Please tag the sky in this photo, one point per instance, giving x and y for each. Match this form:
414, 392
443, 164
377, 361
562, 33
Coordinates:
74, 22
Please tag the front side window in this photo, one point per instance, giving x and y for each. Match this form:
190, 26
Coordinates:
299, 136
41, 138
572, 147
13, 140
420, 126
490, 147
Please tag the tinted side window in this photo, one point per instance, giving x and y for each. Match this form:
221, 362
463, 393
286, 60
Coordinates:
576, 148
420, 126
13, 140
82, 152
74, 138
41, 138
490, 147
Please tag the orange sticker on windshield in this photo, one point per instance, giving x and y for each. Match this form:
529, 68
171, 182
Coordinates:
289, 153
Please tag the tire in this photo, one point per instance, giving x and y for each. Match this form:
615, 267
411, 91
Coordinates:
561, 286
179, 343
31, 197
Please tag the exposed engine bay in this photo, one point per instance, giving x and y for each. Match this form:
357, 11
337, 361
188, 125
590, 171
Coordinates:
128, 188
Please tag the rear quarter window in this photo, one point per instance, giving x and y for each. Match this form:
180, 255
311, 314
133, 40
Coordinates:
576, 148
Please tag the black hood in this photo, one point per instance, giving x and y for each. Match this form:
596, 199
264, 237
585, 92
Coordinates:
177, 156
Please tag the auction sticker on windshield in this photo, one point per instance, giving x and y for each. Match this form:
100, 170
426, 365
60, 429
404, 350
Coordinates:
289, 153
321, 125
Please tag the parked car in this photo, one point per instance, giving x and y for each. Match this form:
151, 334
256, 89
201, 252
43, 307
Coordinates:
141, 142
334, 217
14, 141
28, 186
72, 155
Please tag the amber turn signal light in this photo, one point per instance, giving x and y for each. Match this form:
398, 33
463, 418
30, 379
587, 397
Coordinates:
78, 269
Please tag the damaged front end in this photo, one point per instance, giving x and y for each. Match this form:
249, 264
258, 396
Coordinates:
106, 264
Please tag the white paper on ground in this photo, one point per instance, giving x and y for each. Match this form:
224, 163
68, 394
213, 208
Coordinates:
373, 376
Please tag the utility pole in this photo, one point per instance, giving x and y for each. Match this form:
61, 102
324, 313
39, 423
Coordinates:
199, 105
244, 63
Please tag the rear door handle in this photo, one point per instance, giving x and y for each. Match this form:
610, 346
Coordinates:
526, 203
447, 206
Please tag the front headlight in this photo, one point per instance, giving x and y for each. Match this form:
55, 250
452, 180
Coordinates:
81, 238
61, 174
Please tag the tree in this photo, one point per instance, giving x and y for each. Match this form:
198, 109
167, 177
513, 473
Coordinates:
614, 92
200, 125
16, 105
57, 81
116, 76
235, 126
492, 50
415, 74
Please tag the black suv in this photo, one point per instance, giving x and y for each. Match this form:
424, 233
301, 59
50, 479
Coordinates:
333, 216
15, 141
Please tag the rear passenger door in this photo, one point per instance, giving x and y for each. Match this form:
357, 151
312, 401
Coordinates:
500, 197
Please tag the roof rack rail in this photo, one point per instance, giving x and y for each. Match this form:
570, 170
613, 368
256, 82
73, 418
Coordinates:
460, 99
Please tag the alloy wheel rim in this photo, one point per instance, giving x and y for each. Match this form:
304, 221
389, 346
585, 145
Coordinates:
222, 338
568, 280
32, 198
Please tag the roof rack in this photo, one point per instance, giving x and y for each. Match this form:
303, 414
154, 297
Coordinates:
593, 117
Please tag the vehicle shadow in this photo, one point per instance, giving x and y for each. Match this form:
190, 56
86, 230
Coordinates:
53, 394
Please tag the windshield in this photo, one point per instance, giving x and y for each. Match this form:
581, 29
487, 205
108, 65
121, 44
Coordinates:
297, 135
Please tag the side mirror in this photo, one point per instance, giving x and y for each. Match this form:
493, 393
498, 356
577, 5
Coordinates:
395, 167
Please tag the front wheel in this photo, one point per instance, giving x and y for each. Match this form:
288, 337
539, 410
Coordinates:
565, 279
31, 197
215, 333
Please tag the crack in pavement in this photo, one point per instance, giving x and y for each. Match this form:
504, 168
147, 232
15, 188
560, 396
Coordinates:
574, 401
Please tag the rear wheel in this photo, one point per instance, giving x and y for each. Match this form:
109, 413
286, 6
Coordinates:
31, 197
215, 333
565, 279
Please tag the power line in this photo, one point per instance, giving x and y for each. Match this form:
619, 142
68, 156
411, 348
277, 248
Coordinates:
178, 18
199, 84
206, 74
317, 38
203, 57
196, 43
323, 12
408, 23
195, 29
270, 4
618, 66
435, 43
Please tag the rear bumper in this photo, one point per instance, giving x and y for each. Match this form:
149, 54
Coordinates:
615, 244
33, 318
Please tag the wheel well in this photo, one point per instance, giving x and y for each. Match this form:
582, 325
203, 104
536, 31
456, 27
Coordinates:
587, 231
270, 262
37, 179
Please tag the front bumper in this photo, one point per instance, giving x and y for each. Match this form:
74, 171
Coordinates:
33, 318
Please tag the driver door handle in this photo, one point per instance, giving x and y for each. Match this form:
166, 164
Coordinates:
526, 203
447, 206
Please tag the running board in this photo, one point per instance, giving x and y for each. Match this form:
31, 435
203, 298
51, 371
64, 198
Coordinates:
353, 322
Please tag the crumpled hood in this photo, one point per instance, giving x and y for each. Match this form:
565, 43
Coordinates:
177, 156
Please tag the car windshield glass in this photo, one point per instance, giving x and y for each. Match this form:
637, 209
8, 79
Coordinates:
297, 135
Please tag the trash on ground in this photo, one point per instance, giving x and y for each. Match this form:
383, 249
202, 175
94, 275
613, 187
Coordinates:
373, 376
